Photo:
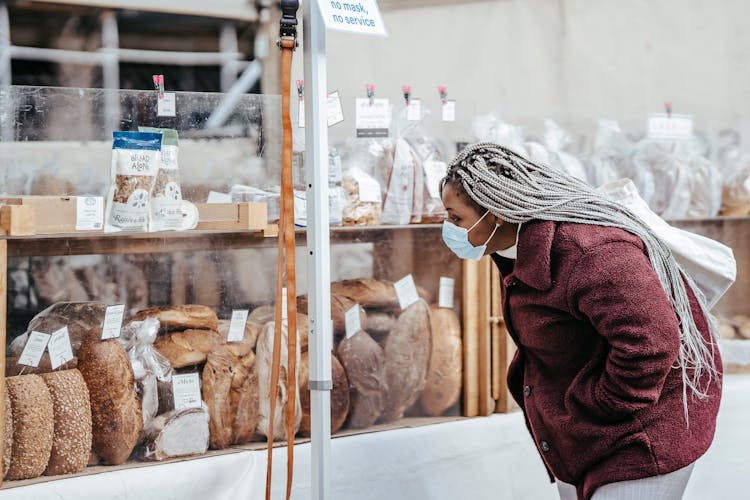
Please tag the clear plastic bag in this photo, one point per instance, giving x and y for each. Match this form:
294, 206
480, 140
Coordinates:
490, 128
612, 154
735, 170
556, 140
363, 198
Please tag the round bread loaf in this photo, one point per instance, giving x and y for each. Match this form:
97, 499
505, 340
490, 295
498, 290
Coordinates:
115, 408
187, 348
177, 318
33, 426
379, 323
72, 408
250, 337
339, 395
245, 407
368, 292
8, 434
443, 385
364, 363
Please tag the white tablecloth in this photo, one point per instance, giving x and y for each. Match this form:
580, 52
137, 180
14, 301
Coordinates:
484, 458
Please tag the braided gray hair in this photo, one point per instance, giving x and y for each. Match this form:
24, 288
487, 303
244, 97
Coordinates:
518, 190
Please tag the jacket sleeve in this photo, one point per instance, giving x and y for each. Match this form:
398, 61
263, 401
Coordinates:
617, 290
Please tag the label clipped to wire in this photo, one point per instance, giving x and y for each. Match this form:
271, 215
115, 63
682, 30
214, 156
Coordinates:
301, 114
406, 291
60, 351
334, 110
237, 325
166, 105
113, 321
446, 292
373, 117
34, 348
414, 110
662, 126
449, 111
352, 322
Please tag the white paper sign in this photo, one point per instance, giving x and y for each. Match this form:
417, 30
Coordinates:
89, 213
449, 111
434, 172
34, 348
166, 105
301, 113
112, 321
237, 325
361, 17
675, 127
414, 110
283, 304
59, 348
369, 189
334, 109
406, 291
372, 119
187, 391
445, 294
351, 320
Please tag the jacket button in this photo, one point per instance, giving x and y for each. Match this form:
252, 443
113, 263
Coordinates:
513, 282
527, 391
545, 446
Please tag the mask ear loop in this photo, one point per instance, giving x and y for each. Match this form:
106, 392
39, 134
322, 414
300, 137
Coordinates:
478, 221
493, 234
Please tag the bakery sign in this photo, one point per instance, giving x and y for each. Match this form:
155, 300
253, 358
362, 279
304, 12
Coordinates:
361, 17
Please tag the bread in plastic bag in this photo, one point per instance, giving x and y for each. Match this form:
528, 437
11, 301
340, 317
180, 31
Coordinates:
611, 157
556, 140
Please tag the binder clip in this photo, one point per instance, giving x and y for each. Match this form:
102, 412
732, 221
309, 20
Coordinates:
159, 85
301, 89
668, 109
370, 93
443, 91
406, 89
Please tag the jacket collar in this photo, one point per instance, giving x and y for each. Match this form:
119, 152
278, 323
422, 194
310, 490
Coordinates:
533, 264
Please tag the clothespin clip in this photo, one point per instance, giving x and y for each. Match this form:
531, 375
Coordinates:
301, 89
406, 89
668, 109
370, 93
159, 85
443, 91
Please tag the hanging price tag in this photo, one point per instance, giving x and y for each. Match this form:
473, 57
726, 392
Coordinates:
112, 321
434, 172
237, 325
283, 304
445, 295
352, 322
449, 111
414, 110
166, 105
335, 111
59, 348
187, 391
662, 126
89, 213
301, 114
34, 348
373, 117
406, 291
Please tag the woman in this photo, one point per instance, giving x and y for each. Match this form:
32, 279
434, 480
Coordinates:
617, 370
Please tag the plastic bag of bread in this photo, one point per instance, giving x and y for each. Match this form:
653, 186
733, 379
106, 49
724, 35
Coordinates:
490, 128
403, 187
166, 194
362, 203
611, 156
556, 140
432, 166
177, 433
136, 158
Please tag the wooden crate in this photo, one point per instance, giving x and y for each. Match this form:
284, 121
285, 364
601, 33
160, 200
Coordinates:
232, 216
17, 220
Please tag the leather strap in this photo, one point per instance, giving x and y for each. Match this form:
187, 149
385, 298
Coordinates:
286, 261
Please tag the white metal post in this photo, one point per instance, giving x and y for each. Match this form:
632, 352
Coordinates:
318, 247
111, 70
229, 49
5, 75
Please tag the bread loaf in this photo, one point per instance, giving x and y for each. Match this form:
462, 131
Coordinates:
178, 433
243, 398
262, 314
407, 357
8, 434
368, 292
339, 395
177, 318
187, 348
12, 368
379, 323
339, 306
72, 429
115, 408
217, 383
443, 385
263, 364
250, 337
33, 426
364, 363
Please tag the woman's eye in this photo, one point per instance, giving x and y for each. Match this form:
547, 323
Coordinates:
455, 219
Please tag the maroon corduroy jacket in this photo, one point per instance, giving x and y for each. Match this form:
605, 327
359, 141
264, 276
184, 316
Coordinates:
597, 339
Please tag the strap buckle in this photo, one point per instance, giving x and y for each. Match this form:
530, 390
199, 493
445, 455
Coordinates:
288, 22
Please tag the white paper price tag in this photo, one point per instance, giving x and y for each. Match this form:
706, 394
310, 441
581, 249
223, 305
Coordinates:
89, 213
283, 304
445, 294
301, 114
406, 291
362, 17
34, 348
335, 111
187, 391
449, 111
665, 127
372, 118
112, 321
414, 110
434, 172
352, 322
166, 105
237, 325
59, 348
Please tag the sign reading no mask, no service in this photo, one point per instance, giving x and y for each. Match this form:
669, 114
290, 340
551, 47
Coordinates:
361, 17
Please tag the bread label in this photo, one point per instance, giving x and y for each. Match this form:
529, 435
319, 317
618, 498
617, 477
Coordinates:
112, 322
237, 325
166, 105
89, 213
187, 391
351, 319
434, 172
34, 348
406, 291
283, 304
445, 295
414, 110
449, 111
59, 348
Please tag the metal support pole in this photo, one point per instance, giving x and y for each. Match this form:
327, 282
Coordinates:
229, 49
318, 246
110, 71
5, 75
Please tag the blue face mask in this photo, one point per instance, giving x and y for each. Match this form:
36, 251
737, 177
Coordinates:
457, 239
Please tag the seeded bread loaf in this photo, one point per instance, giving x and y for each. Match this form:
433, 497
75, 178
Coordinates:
33, 426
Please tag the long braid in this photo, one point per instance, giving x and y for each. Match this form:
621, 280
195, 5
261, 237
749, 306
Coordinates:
518, 190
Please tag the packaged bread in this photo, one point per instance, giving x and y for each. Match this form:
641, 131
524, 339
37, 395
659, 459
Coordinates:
7, 434
33, 426
178, 433
115, 407
339, 395
368, 292
363, 199
72, 422
166, 193
178, 318
188, 347
364, 363
407, 357
263, 364
442, 388
216, 381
